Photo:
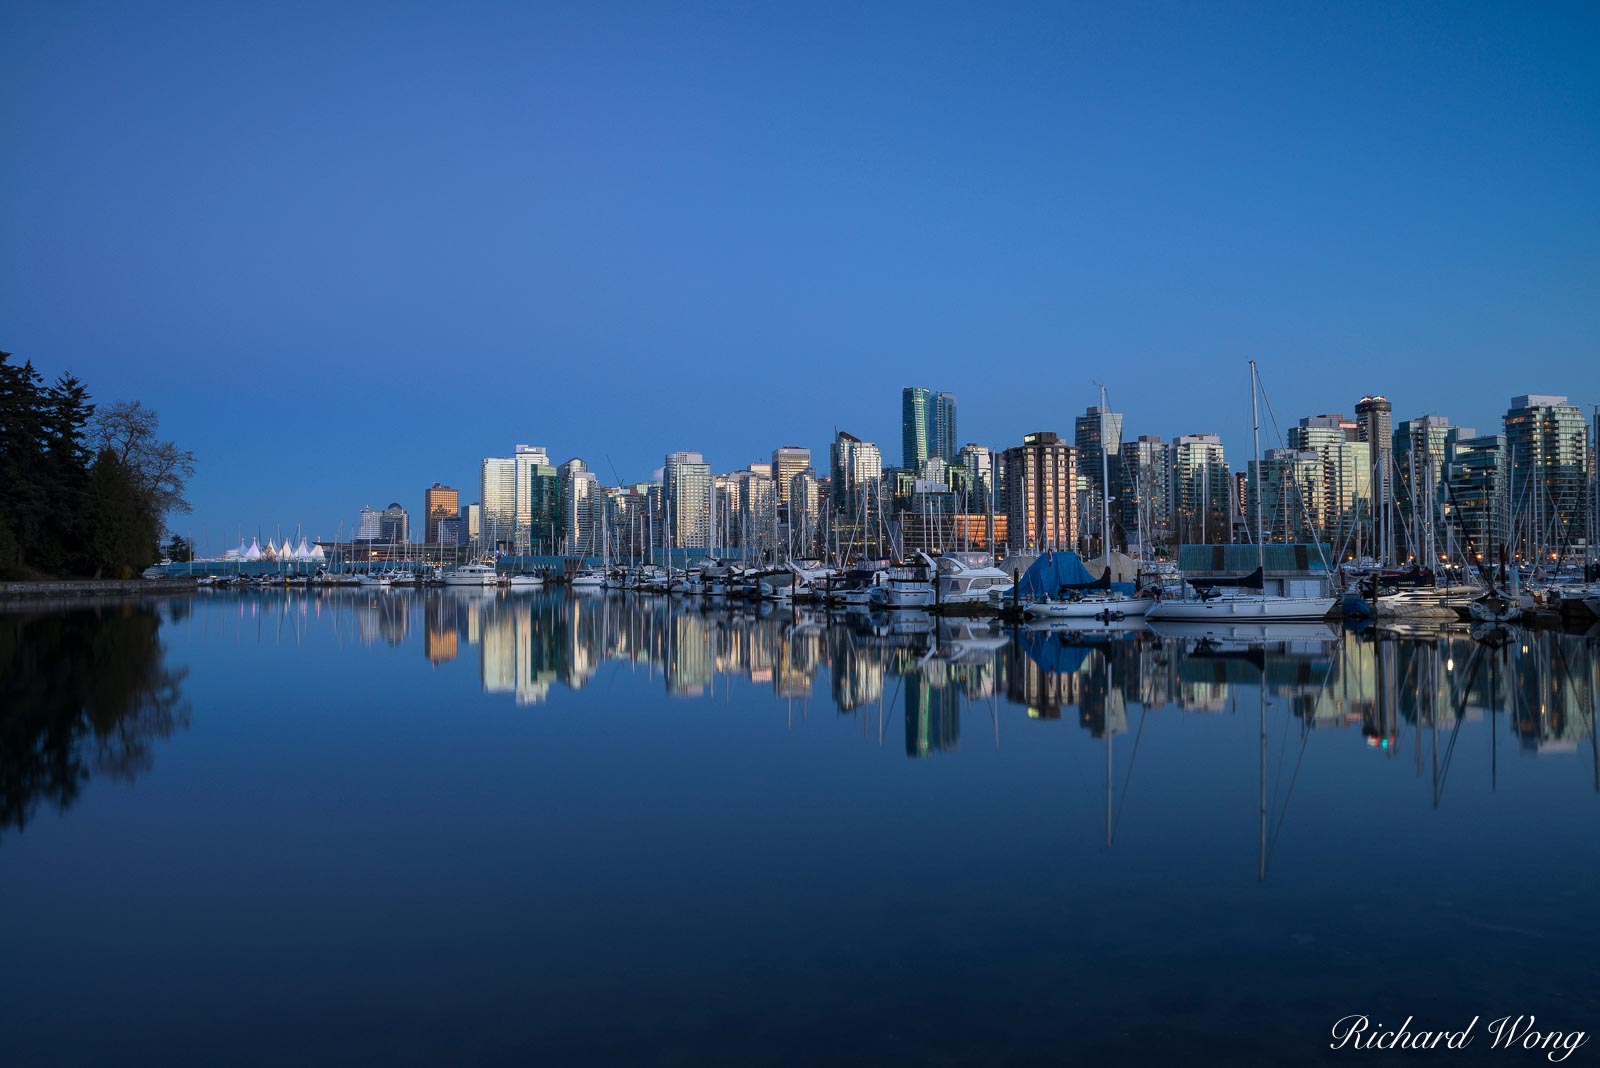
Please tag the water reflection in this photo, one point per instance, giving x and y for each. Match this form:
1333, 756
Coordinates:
83, 692
1388, 685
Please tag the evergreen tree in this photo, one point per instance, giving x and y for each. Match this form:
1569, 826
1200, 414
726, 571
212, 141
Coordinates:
122, 531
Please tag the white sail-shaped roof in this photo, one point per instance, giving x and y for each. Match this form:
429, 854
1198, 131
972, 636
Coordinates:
316, 553
302, 551
270, 552
254, 552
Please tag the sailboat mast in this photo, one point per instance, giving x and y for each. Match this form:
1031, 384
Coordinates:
1255, 451
1105, 482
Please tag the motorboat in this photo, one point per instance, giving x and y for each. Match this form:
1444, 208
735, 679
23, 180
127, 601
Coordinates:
588, 579
525, 581
968, 579
472, 575
1240, 605
908, 587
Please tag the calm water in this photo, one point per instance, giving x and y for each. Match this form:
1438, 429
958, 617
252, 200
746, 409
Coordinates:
443, 828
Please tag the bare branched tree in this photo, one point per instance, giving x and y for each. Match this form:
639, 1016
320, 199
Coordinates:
162, 469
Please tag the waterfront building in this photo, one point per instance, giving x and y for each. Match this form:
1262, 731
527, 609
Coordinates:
916, 427
580, 504
856, 478
1145, 509
439, 502
803, 514
1293, 496
1345, 492
788, 461
546, 531
1418, 452
472, 523
686, 482
1041, 494
370, 526
450, 531
944, 427
1202, 491
1547, 449
978, 464
1475, 471
1098, 439
394, 526
498, 499
528, 461
1374, 426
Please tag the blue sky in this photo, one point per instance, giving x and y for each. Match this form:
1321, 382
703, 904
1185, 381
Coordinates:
347, 250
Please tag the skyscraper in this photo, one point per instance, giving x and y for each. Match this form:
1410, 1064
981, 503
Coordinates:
1098, 434
858, 495
528, 459
439, 502
580, 505
1475, 470
1419, 446
1202, 491
944, 427
1146, 491
916, 428
394, 525
370, 526
1547, 446
1373, 423
788, 461
1345, 494
686, 482
1041, 494
498, 496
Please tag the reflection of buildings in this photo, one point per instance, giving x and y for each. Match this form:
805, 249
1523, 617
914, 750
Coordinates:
933, 713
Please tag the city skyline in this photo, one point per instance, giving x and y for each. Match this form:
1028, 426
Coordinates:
1009, 206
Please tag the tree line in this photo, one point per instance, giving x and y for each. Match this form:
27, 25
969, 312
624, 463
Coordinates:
88, 487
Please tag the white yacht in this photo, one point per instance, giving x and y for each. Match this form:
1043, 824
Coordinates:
369, 578
908, 587
471, 575
588, 579
526, 581
968, 579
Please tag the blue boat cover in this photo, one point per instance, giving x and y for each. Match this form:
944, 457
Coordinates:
1049, 573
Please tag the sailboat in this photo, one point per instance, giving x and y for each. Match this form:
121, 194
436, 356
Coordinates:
1245, 600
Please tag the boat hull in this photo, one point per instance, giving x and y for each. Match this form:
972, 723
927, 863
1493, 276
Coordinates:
1243, 609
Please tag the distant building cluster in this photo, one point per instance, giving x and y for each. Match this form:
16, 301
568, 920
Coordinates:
1359, 486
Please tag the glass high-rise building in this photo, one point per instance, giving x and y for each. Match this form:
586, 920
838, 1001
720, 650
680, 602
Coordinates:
1547, 446
580, 503
394, 525
916, 428
498, 498
1202, 491
1145, 508
686, 483
1098, 434
1041, 494
788, 461
944, 427
1418, 454
528, 460
1475, 469
856, 473
1344, 497
439, 502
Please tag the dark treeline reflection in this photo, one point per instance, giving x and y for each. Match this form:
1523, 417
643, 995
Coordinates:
83, 692
1539, 686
